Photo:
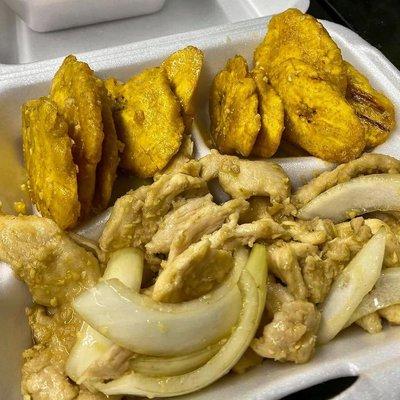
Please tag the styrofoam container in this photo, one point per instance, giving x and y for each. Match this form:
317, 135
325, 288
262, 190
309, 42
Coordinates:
374, 358
19, 44
51, 15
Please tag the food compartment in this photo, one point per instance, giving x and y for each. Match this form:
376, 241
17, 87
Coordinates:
354, 351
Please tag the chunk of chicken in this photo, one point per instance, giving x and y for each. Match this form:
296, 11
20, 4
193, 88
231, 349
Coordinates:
53, 266
292, 334
392, 248
192, 273
136, 216
43, 375
283, 263
351, 236
365, 165
258, 209
111, 365
391, 314
315, 232
245, 178
277, 295
188, 223
371, 323
231, 235
318, 276
41, 380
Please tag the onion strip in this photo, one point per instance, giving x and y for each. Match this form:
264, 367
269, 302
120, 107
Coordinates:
169, 366
350, 287
126, 265
385, 293
219, 365
140, 324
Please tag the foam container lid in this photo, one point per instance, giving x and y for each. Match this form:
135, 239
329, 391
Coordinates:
374, 358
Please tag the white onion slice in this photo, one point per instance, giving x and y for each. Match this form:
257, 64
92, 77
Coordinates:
355, 197
169, 366
140, 324
219, 365
126, 265
89, 346
350, 287
385, 293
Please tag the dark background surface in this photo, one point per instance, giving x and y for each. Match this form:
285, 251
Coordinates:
378, 22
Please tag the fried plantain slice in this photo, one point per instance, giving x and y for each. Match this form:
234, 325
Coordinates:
48, 160
293, 34
235, 121
107, 167
270, 108
148, 122
75, 91
317, 117
375, 110
183, 70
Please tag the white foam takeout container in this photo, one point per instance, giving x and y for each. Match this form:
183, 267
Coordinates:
374, 358
19, 44
50, 15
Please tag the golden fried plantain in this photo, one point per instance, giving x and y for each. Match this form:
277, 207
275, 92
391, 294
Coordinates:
113, 88
48, 160
317, 117
107, 167
148, 122
270, 108
75, 91
183, 70
375, 110
293, 34
235, 121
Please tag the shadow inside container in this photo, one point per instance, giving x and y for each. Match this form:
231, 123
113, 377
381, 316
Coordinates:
325, 390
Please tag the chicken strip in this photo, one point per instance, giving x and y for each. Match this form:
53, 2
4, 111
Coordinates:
392, 247
277, 295
292, 334
192, 273
371, 323
391, 314
283, 263
187, 225
245, 178
365, 165
135, 217
53, 266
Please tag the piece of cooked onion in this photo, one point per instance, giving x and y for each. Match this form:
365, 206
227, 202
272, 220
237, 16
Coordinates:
219, 365
350, 287
89, 346
385, 293
355, 197
126, 265
140, 324
169, 366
